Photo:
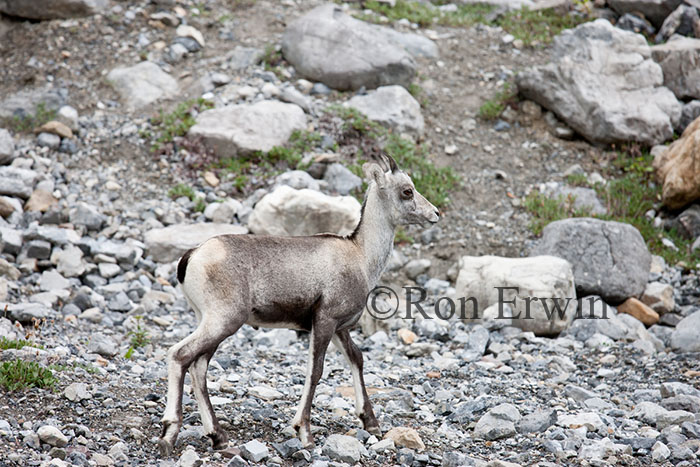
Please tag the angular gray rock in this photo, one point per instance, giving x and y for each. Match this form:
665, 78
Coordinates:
102, 345
583, 198
491, 279
393, 107
7, 147
690, 112
343, 448
254, 451
602, 82
245, 128
345, 53
52, 436
686, 337
52, 9
142, 84
683, 21
77, 392
287, 211
17, 182
169, 243
87, 216
654, 10
340, 179
609, 258
680, 61
537, 421
497, 423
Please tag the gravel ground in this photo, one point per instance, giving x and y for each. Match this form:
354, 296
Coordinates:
474, 394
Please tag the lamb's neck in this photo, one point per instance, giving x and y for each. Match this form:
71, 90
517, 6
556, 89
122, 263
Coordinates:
374, 236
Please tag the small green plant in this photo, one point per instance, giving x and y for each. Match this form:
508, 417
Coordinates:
577, 180
492, 108
272, 60
167, 126
200, 205
20, 374
29, 122
180, 190
545, 210
426, 15
6, 344
402, 237
139, 338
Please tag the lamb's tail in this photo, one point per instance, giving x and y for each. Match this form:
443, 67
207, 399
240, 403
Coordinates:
182, 266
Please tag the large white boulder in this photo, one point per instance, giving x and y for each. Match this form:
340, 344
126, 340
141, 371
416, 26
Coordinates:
245, 128
169, 243
142, 84
393, 107
491, 280
287, 211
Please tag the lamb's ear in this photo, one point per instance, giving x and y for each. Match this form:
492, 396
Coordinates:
372, 171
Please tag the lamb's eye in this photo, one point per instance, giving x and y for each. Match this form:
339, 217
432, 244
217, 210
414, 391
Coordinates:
407, 193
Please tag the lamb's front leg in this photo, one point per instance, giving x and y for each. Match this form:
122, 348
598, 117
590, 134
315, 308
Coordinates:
363, 407
318, 343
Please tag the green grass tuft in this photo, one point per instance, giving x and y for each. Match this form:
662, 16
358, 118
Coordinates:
7, 344
20, 374
531, 27
538, 27
167, 126
28, 122
492, 108
180, 190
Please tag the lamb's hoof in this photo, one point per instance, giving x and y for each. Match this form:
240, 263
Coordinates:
219, 440
165, 448
308, 444
374, 430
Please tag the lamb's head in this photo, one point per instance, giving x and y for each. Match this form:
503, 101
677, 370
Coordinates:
398, 195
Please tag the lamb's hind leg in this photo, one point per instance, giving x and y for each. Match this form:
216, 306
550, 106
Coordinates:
363, 407
203, 340
198, 372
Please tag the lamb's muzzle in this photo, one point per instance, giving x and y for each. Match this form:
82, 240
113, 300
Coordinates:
317, 284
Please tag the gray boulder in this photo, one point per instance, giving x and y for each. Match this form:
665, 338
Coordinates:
340, 179
654, 10
686, 337
142, 84
25, 102
52, 9
680, 60
169, 243
683, 21
345, 53
393, 107
602, 82
245, 128
609, 258
17, 182
497, 423
690, 112
7, 147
